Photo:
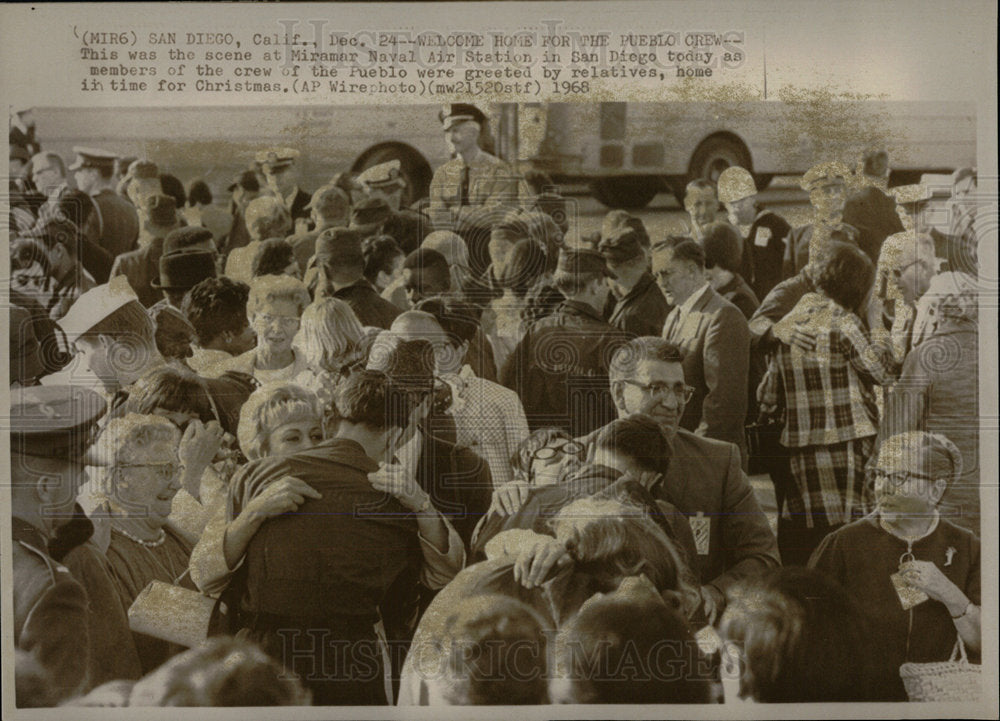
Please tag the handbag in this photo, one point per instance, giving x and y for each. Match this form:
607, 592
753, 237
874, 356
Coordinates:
953, 680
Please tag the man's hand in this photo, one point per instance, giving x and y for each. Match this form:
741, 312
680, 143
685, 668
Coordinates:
534, 563
508, 498
284, 495
395, 480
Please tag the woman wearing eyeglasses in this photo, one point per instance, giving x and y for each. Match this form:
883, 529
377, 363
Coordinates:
143, 474
274, 308
914, 573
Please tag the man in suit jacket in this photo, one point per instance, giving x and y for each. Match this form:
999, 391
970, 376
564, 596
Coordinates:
704, 480
713, 336
157, 218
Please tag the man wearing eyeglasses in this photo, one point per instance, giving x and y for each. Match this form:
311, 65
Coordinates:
714, 338
704, 480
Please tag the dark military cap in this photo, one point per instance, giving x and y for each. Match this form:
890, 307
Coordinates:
339, 247
460, 112
623, 245
581, 261
54, 421
187, 238
92, 158
184, 270
370, 213
247, 180
161, 209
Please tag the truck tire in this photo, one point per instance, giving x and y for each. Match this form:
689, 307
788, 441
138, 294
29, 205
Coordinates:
715, 155
415, 170
628, 192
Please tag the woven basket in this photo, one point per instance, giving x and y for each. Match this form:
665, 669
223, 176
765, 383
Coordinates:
953, 680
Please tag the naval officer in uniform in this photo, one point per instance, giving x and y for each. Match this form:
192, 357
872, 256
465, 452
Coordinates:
51, 428
280, 168
117, 218
473, 177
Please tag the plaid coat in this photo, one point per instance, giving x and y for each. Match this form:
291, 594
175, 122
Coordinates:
828, 392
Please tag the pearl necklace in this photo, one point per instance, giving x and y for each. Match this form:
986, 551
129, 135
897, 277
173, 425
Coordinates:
142, 542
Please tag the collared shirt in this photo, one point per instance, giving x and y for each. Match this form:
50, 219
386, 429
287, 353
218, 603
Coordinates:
829, 391
489, 420
676, 317
491, 181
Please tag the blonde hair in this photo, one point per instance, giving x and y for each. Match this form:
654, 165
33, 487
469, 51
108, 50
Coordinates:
266, 217
124, 439
330, 334
269, 407
269, 289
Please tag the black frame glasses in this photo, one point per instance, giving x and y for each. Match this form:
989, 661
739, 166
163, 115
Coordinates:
683, 393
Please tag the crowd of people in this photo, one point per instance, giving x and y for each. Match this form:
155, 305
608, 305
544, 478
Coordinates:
465, 453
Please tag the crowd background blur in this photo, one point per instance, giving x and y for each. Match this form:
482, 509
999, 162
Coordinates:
467, 451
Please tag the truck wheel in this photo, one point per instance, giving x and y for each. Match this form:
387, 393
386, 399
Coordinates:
628, 193
415, 170
715, 155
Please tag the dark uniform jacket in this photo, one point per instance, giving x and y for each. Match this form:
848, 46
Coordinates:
371, 308
641, 311
560, 369
715, 342
50, 613
118, 222
142, 266
764, 252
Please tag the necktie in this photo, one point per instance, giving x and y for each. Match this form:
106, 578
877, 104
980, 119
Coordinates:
463, 198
